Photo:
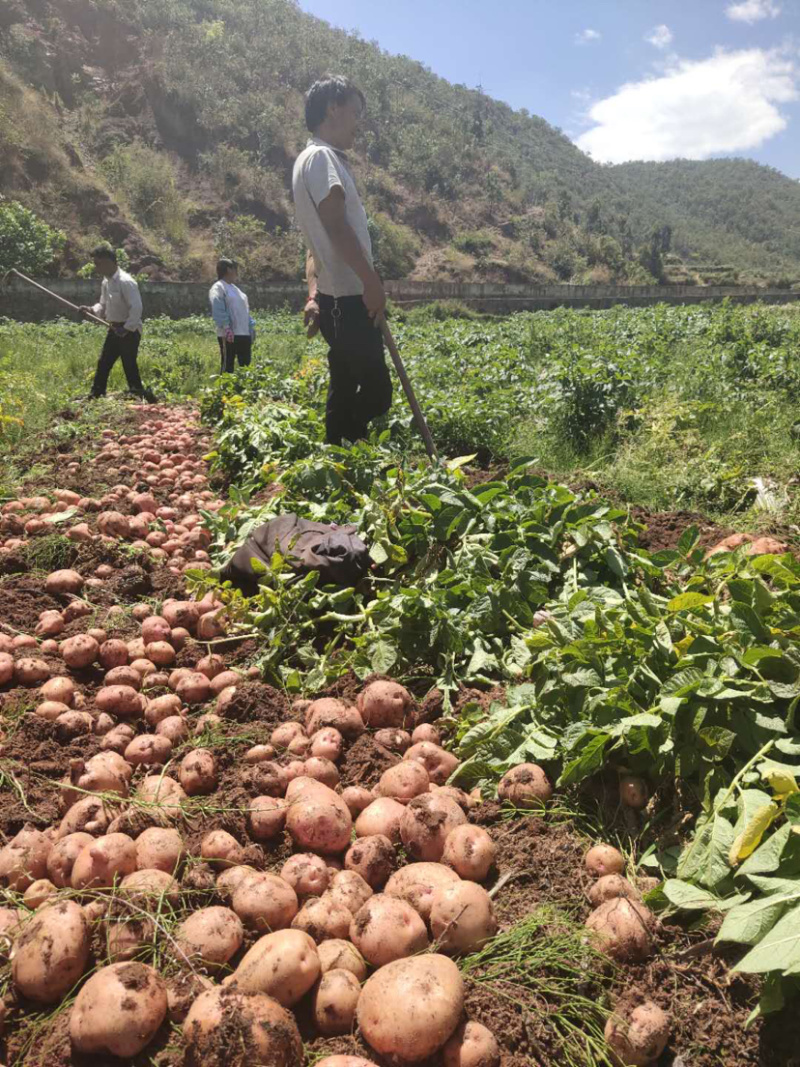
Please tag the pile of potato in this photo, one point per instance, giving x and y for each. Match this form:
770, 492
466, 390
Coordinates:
164, 456
343, 923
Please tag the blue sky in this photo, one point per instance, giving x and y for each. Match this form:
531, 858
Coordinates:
625, 79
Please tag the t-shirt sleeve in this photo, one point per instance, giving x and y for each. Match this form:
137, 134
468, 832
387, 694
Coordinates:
321, 175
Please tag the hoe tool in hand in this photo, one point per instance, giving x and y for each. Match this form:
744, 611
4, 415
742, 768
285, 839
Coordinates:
61, 299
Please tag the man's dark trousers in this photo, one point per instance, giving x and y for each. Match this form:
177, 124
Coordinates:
125, 348
240, 349
360, 387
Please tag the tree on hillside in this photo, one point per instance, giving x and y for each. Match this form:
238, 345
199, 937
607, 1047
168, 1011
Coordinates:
26, 242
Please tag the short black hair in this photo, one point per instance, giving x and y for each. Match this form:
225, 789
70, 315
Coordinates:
224, 265
332, 89
104, 252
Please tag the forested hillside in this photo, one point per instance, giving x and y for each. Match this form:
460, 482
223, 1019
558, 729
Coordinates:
169, 127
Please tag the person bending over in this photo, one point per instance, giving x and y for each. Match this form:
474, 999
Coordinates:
346, 300
230, 310
121, 306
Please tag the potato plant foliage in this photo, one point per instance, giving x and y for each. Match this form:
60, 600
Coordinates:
682, 669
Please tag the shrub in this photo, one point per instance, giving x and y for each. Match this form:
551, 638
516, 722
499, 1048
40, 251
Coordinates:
26, 242
145, 180
395, 247
474, 242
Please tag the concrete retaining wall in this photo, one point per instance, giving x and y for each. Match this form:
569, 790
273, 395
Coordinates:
178, 299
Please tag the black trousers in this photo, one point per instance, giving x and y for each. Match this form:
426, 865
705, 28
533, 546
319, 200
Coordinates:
125, 348
360, 387
241, 350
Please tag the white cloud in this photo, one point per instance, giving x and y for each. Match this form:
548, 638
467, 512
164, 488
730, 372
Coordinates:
587, 36
753, 10
697, 109
661, 37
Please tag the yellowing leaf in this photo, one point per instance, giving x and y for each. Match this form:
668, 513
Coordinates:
460, 461
683, 645
750, 838
781, 783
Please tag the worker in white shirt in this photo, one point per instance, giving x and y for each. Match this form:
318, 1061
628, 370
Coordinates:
346, 299
121, 306
230, 310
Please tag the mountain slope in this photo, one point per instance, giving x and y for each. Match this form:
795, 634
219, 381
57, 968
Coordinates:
170, 127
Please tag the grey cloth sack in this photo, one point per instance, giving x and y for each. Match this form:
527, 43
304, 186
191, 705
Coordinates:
340, 556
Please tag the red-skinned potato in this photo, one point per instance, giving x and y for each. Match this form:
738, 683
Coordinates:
338, 954
307, 874
198, 772
98, 1023
163, 793
431, 991
384, 704
373, 858
194, 688
266, 1032
80, 651
349, 889
6, 667
357, 798
147, 749
118, 738
470, 851
472, 1045
160, 653
113, 653
23, 860
211, 936
622, 929
317, 821
160, 708
127, 675
90, 815
345, 1061
65, 583
382, 816
155, 628
72, 724
639, 1039
51, 710
386, 929
51, 953
222, 849
322, 918
266, 817
62, 856
604, 859
38, 893
175, 728
211, 666
270, 779
426, 822
404, 781
159, 849
284, 734
284, 965
148, 886
120, 700
31, 672
418, 883
60, 689
609, 887
182, 613
633, 792
439, 763
259, 754
230, 879
327, 711
264, 902
395, 740
462, 918
327, 743
323, 770
224, 680
335, 1002
525, 785
104, 861
426, 732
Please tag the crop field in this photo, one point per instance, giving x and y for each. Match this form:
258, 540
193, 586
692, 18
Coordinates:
581, 629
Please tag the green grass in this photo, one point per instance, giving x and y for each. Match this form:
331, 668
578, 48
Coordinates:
545, 968
669, 408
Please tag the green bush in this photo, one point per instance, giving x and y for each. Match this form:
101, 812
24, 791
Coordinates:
26, 242
395, 247
474, 242
144, 179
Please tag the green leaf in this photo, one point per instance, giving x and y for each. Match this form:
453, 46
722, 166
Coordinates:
588, 762
383, 657
688, 541
705, 858
689, 600
778, 949
748, 923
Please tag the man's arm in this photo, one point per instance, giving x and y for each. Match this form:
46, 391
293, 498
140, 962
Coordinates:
133, 298
98, 309
344, 240
311, 310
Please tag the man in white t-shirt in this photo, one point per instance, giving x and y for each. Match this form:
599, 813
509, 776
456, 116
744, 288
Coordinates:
346, 300
230, 310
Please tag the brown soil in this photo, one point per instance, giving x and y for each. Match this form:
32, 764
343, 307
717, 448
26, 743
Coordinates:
664, 529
